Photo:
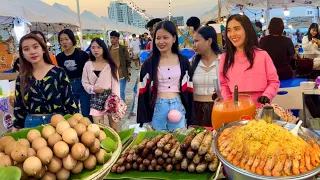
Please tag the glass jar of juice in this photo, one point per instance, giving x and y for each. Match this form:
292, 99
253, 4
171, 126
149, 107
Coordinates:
225, 112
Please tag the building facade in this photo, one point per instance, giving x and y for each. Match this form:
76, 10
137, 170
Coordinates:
120, 12
138, 20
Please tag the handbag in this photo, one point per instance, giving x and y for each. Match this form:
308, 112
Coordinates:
115, 107
98, 101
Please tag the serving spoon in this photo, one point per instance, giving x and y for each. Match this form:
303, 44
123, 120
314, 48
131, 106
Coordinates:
295, 130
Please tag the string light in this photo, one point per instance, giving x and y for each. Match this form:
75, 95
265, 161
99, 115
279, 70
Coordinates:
169, 10
286, 12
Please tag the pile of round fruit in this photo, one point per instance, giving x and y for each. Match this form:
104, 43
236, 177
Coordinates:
60, 148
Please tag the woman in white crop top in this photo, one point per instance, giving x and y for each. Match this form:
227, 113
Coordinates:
204, 73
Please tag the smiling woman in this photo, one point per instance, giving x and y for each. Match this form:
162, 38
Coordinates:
42, 89
245, 65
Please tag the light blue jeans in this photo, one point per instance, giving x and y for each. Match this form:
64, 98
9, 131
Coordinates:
34, 121
160, 120
134, 97
123, 84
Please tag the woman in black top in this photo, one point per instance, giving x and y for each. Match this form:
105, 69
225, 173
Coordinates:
72, 60
280, 48
42, 89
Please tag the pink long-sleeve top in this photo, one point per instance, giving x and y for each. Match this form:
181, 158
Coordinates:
261, 80
105, 79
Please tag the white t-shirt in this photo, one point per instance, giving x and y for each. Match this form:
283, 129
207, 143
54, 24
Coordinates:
135, 46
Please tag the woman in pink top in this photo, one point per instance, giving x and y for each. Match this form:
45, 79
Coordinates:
245, 65
100, 74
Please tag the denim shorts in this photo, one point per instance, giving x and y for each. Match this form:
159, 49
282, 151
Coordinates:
160, 120
34, 121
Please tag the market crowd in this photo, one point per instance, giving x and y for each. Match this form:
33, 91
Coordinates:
173, 91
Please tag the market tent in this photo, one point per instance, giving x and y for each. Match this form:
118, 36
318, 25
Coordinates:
91, 22
52, 15
110, 25
11, 9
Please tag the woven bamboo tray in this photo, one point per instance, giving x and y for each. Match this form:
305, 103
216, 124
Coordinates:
104, 170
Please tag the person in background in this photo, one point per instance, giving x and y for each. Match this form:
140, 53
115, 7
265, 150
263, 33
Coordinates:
150, 25
42, 37
204, 72
72, 60
146, 37
258, 25
310, 42
210, 22
282, 53
284, 33
135, 48
245, 65
194, 23
143, 42
299, 38
165, 94
101, 74
42, 89
120, 56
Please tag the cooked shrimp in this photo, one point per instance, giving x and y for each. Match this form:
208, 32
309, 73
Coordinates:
296, 165
244, 161
232, 155
259, 169
237, 159
247, 167
255, 164
276, 171
287, 166
302, 166
307, 160
314, 159
267, 170
227, 150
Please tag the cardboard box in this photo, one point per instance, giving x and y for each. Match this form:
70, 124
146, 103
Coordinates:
8, 76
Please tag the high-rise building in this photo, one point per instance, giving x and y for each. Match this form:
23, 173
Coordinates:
120, 12
138, 20
178, 20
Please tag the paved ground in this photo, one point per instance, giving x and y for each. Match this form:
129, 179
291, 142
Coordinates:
125, 122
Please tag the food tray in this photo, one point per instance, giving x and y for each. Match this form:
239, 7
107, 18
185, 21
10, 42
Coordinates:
160, 175
100, 171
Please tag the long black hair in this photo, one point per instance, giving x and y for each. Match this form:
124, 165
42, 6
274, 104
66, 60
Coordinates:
106, 56
155, 56
313, 26
26, 67
70, 34
41, 34
250, 43
207, 32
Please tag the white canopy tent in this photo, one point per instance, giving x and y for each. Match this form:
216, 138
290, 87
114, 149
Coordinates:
11, 9
110, 25
89, 21
52, 15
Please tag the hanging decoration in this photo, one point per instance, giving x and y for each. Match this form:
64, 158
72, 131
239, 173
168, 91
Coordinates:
134, 7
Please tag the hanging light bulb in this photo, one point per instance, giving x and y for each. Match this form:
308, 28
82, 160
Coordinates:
262, 20
241, 11
225, 19
286, 12
48, 43
290, 26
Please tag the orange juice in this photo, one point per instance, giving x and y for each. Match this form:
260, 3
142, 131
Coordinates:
224, 112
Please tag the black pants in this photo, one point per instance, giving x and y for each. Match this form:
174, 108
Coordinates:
203, 111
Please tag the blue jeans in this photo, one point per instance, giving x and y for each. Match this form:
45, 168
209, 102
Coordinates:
160, 116
79, 94
134, 97
34, 121
123, 83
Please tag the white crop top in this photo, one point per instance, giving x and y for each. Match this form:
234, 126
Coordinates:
205, 83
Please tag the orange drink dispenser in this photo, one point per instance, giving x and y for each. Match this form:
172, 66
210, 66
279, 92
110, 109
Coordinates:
228, 111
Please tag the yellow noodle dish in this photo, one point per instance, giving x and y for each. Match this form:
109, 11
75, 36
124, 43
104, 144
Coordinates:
268, 149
